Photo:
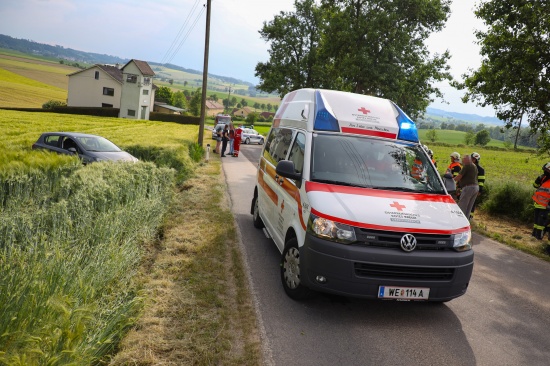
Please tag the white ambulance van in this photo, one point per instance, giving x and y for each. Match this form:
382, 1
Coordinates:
355, 205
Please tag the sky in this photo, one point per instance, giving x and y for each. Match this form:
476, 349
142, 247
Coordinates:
149, 30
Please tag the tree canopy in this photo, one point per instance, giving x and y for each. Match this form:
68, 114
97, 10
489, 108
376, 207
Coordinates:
514, 73
373, 47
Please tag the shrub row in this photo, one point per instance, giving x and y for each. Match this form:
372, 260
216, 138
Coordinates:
509, 199
177, 118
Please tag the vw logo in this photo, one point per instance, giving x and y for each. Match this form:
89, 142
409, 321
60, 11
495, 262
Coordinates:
408, 243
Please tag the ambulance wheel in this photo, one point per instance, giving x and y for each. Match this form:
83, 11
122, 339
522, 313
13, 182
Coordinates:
257, 220
247, 141
290, 272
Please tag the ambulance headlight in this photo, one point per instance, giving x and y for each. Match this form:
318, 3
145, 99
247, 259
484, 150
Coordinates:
330, 230
462, 241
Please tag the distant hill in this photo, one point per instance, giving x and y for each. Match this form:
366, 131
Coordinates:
60, 52
473, 118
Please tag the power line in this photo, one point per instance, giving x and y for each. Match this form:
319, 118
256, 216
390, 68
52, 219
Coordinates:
183, 26
186, 35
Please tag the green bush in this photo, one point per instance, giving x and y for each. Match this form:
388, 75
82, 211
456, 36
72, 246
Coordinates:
510, 199
51, 104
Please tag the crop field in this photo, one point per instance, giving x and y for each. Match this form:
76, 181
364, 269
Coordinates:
20, 91
71, 235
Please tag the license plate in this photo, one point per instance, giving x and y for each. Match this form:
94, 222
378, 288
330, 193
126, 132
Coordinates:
403, 293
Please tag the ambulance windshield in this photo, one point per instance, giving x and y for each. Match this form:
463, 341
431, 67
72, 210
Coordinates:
371, 163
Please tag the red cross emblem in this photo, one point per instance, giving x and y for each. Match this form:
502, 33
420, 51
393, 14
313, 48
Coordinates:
364, 110
397, 206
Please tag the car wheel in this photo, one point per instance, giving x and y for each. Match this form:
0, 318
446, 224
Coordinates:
261, 142
247, 141
258, 223
290, 272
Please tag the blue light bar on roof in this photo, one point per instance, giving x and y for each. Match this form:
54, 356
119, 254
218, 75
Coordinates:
407, 128
324, 120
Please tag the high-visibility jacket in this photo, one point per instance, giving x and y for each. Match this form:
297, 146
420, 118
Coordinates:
455, 168
542, 195
480, 177
417, 170
541, 179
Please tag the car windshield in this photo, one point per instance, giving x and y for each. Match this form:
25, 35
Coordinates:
366, 162
97, 143
224, 119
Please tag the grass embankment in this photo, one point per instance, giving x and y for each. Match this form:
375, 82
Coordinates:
82, 249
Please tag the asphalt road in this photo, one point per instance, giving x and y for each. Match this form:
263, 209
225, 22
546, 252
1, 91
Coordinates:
504, 318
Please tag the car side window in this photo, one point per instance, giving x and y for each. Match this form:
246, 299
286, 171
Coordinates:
277, 145
68, 143
52, 140
297, 152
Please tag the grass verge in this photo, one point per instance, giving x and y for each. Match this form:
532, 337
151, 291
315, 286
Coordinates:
198, 310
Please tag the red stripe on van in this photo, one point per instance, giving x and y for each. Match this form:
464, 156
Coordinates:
358, 191
389, 228
360, 131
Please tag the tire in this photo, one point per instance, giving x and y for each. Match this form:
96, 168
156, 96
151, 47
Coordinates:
247, 141
290, 272
261, 142
256, 219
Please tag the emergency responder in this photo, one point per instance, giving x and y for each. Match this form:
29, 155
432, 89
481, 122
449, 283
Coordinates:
417, 171
480, 178
431, 155
452, 171
467, 181
541, 198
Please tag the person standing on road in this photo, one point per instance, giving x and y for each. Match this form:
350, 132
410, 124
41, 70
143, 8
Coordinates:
231, 137
480, 178
225, 139
541, 198
237, 142
218, 140
469, 186
452, 171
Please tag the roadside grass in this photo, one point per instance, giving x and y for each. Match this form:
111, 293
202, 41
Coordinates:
453, 137
199, 310
19, 91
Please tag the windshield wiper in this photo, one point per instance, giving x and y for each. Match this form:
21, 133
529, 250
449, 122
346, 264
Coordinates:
336, 182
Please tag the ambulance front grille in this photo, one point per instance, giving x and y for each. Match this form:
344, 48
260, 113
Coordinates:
401, 272
392, 239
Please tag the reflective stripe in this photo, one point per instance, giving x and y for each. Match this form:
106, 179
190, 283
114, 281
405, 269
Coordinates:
540, 227
481, 177
538, 206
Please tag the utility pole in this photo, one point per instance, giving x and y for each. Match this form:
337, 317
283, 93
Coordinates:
205, 73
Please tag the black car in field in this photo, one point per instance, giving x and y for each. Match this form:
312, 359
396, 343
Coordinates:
90, 148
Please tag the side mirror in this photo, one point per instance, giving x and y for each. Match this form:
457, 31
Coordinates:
72, 150
285, 168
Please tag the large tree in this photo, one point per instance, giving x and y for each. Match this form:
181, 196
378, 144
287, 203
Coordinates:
293, 56
371, 47
514, 76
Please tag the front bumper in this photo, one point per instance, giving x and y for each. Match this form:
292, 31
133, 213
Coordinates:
358, 271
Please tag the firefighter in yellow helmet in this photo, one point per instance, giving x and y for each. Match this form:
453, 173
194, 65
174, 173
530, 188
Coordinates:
452, 171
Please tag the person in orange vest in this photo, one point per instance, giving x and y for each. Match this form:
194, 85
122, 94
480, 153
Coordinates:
237, 141
541, 198
452, 171
417, 171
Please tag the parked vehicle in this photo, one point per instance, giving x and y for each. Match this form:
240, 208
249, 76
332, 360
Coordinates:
90, 148
251, 136
355, 205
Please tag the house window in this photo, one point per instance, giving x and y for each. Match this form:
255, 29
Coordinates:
97, 75
131, 78
106, 105
146, 81
131, 112
145, 91
109, 91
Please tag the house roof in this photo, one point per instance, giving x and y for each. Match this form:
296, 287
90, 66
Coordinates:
267, 114
143, 67
112, 71
170, 107
210, 104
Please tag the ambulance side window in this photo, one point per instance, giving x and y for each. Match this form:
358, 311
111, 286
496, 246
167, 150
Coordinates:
297, 152
277, 145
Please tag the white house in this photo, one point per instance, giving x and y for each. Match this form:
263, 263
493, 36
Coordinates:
137, 99
129, 88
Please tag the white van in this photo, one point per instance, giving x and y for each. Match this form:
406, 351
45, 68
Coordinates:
355, 205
